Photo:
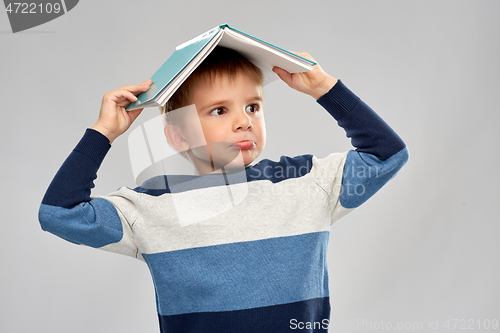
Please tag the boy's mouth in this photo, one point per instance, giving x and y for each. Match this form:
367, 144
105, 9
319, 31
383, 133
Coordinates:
244, 144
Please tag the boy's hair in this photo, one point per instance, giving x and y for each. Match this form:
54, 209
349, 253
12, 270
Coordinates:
219, 63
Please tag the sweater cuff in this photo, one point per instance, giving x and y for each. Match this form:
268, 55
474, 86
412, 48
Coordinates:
339, 101
93, 145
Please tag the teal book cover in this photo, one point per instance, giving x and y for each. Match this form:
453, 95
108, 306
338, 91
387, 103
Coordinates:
181, 57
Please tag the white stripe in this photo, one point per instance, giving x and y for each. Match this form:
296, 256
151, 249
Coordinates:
64, 6
291, 207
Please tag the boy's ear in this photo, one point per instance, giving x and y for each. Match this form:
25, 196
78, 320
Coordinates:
175, 137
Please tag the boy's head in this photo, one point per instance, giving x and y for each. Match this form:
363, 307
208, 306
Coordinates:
227, 91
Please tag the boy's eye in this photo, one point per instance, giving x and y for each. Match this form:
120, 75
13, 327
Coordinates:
252, 108
217, 112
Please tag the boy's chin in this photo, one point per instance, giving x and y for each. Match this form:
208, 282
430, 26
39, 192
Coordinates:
220, 157
232, 163
248, 156
231, 158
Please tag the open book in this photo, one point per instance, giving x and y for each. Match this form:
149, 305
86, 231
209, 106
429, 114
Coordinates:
189, 55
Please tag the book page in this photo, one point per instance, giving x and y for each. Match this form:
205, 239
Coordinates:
262, 55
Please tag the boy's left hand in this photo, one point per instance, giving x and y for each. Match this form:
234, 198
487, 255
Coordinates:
315, 83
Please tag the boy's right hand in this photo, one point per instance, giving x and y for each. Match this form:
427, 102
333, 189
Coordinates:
113, 119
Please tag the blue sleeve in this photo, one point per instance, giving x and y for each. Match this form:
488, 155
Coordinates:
380, 153
67, 209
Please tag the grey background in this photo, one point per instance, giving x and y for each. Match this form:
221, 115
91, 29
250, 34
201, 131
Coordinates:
424, 249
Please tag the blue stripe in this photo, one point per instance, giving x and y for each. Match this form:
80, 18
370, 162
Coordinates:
241, 275
95, 223
369, 133
290, 317
364, 174
285, 168
338, 101
74, 180
275, 172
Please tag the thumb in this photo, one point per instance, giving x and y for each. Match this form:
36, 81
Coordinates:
134, 114
283, 74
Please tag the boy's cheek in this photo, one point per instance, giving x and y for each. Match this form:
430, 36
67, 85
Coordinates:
194, 129
263, 131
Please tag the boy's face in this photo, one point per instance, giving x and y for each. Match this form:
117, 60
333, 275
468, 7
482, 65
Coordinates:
231, 116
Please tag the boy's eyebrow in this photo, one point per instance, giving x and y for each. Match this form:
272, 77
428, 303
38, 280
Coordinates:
225, 101
256, 98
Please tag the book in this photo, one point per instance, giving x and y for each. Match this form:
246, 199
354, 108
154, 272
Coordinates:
189, 55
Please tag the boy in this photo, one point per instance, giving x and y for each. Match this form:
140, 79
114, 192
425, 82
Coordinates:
258, 265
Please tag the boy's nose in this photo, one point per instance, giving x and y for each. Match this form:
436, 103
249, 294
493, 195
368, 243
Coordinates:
243, 121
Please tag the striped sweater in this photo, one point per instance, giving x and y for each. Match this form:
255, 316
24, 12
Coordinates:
240, 252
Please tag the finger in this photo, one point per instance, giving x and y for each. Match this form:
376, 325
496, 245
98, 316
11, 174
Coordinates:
123, 96
283, 74
304, 55
134, 114
144, 86
146, 83
137, 88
